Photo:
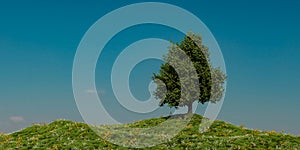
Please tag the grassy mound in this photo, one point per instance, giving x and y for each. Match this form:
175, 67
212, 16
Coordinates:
63, 134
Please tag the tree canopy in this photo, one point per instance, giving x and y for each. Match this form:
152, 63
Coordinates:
188, 75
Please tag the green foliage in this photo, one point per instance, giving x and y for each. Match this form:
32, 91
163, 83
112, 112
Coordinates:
187, 75
63, 134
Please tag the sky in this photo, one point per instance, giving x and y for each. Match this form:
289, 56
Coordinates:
259, 41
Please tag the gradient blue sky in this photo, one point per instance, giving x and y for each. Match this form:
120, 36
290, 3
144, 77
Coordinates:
259, 40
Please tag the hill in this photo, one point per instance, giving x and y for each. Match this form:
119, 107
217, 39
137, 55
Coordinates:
62, 134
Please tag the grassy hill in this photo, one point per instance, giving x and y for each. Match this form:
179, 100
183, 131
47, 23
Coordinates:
62, 134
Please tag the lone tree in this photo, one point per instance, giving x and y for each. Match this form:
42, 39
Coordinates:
175, 79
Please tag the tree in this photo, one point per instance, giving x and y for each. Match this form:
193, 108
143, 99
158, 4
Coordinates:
178, 85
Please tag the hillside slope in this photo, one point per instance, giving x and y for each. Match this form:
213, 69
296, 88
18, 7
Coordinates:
63, 134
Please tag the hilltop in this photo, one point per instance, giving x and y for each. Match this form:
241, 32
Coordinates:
64, 134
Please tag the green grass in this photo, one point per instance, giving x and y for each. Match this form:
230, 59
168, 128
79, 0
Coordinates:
63, 134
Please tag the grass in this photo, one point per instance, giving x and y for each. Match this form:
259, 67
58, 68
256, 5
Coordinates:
62, 134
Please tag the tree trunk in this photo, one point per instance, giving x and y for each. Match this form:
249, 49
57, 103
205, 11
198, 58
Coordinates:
190, 108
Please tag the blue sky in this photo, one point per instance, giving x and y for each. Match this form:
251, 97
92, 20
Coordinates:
259, 41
